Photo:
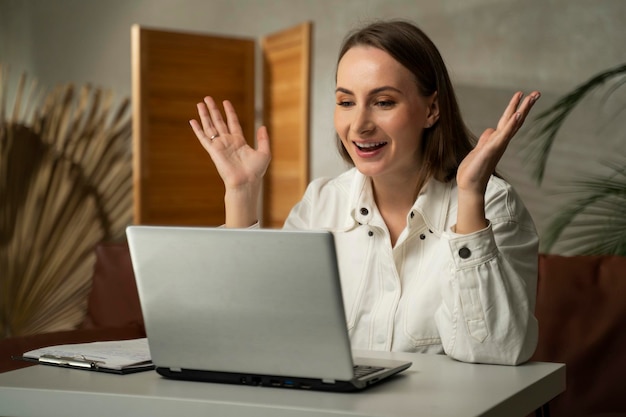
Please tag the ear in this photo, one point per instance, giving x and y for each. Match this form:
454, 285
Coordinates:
432, 109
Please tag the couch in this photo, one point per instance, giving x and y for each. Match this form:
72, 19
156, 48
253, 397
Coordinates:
581, 310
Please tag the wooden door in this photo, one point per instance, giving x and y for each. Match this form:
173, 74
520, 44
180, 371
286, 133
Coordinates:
286, 86
175, 181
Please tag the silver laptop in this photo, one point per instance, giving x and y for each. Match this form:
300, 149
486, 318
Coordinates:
247, 306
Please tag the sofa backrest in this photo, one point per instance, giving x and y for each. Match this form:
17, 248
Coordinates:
581, 309
113, 299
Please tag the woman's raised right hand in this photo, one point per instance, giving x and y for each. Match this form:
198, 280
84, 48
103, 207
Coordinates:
240, 166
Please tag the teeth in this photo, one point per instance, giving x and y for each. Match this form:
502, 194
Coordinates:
369, 145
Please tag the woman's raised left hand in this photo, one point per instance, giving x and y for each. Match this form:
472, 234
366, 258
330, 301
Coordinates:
476, 168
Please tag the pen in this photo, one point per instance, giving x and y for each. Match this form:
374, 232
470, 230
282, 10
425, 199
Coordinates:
69, 361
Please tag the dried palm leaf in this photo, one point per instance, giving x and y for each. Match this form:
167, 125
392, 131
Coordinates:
65, 186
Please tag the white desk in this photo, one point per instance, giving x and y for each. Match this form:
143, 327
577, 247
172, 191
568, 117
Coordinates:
434, 386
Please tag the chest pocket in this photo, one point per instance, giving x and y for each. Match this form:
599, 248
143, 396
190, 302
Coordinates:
424, 267
354, 256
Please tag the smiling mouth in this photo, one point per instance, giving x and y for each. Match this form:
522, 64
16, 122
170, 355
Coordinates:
370, 146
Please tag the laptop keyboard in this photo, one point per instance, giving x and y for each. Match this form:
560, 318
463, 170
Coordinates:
361, 370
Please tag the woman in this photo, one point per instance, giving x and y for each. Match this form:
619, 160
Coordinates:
436, 253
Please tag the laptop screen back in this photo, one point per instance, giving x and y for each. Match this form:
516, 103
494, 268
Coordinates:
242, 300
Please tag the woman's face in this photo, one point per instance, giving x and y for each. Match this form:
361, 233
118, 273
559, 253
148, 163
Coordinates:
380, 114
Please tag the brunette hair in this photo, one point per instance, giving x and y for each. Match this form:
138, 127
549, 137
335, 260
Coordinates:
448, 141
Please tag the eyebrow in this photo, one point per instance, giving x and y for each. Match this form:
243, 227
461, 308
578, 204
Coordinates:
374, 91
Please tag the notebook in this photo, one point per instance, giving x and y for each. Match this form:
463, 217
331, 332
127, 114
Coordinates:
248, 306
115, 356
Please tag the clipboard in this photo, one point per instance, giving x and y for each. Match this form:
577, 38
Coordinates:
117, 357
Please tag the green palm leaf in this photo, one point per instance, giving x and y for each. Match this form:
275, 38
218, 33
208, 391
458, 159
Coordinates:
550, 121
594, 223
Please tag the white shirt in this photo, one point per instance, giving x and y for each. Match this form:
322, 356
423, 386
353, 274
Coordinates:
471, 296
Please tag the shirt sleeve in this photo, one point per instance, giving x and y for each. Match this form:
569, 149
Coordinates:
306, 214
488, 298
300, 215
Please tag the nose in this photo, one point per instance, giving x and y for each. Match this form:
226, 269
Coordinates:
362, 122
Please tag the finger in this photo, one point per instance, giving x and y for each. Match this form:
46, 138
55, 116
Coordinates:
524, 109
497, 138
507, 132
200, 133
205, 118
231, 118
510, 109
216, 116
528, 103
263, 140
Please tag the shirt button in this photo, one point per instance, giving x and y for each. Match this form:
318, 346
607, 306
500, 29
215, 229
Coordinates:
380, 338
464, 253
370, 233
364, 211
422, 236
412, 214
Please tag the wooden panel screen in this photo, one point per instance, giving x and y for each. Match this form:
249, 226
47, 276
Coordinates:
286, 73
175, 181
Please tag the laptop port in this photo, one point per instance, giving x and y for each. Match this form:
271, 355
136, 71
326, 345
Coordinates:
275, 383
256, 380
289, 383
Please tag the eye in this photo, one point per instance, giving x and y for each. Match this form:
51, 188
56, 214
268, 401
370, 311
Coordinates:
385, 104
345, 103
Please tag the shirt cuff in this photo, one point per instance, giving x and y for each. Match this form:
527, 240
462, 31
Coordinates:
472, 248
254, 226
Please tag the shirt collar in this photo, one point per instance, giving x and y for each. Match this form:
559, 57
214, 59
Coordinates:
432, 204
